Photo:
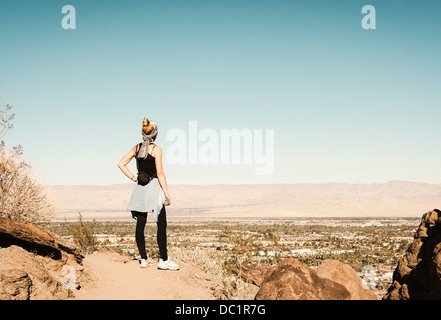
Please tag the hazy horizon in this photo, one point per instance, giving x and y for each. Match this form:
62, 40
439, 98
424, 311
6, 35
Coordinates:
269, 183
266, 200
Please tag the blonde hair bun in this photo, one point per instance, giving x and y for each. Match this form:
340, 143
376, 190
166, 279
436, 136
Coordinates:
147, 125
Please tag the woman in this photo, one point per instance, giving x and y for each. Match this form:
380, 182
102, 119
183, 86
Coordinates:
150, 193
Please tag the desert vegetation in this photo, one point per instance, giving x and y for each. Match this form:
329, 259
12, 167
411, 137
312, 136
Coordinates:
22, 197
83, 234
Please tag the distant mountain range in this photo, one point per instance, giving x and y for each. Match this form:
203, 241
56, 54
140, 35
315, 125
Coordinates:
396, 198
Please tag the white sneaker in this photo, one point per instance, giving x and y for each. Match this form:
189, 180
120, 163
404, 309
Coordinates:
167, 265
146, 262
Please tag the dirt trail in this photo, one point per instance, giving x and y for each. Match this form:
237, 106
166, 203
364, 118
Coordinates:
110, 276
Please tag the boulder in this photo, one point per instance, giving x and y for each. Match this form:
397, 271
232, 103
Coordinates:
346, 276
294, 280
418, 273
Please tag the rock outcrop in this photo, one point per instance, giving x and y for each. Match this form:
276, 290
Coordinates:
15, 284
294, 280
418, 273
346, 276
35, 265
34, 239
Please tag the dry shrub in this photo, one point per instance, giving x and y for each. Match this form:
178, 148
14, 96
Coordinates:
198, 257
232, 286
22, 198
83, 235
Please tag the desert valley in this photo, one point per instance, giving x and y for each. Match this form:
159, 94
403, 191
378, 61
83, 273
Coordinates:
229, 239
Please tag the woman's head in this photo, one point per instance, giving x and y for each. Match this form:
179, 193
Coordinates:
148, 127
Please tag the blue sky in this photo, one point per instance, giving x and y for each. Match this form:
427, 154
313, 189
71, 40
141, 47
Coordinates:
346, 104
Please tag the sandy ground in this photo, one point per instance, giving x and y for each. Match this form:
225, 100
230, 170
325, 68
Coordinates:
110, 276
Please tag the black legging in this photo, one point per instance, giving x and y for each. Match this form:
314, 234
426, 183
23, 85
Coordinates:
161, 236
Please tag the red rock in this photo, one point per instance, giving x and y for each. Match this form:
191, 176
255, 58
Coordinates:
294, 280
346, 276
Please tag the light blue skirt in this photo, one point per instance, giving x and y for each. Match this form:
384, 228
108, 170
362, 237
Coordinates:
147, 198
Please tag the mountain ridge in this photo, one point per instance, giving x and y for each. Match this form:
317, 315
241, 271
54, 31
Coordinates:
394, 198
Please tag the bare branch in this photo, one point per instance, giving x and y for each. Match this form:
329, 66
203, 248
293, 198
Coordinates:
5, 119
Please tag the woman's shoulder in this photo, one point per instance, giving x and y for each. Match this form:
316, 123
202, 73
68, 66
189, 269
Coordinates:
155, 147
135, 148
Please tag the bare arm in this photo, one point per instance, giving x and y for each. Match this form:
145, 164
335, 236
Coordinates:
160, 171
124, 161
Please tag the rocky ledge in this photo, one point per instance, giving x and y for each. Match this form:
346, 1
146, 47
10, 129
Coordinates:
418, 274
36, 264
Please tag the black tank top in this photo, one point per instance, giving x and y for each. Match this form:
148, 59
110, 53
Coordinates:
147, 165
